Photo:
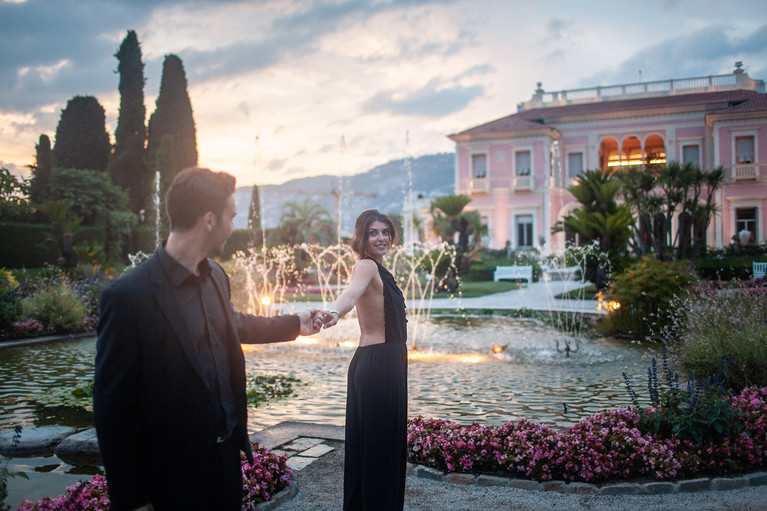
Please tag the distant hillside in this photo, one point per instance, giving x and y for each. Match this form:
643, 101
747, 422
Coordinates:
432, 176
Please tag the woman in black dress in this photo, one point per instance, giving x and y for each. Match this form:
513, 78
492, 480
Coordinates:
376, 403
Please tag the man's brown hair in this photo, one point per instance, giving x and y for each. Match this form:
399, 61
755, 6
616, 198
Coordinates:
359, 241
194, 192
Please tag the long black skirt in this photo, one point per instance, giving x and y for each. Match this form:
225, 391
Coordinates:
376, 428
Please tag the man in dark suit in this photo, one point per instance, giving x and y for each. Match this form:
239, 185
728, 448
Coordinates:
169, 395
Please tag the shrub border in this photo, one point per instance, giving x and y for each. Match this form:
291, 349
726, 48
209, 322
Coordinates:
623, 488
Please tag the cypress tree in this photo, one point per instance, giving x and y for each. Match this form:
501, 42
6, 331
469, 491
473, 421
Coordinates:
167, 166
173, 116
128, 166
254, 218
41, 172
82, 141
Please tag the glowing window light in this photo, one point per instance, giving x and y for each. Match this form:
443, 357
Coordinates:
266, 300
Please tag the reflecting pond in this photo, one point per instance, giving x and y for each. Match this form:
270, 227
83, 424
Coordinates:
455, 375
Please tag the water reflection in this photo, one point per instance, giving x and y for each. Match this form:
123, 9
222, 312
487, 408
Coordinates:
456, 376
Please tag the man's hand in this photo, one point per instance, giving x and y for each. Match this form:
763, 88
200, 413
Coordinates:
311, 321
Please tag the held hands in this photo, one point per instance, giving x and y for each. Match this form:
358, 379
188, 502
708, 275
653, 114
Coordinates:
314, 320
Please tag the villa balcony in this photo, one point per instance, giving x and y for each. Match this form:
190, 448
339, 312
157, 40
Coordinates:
522, 183
479, 185
745, 172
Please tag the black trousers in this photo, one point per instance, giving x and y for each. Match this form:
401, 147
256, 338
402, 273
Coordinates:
213, 485
376, 429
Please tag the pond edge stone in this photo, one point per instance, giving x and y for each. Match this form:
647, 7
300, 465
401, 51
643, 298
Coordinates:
581, 488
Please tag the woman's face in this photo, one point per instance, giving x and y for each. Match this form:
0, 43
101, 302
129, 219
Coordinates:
379, 240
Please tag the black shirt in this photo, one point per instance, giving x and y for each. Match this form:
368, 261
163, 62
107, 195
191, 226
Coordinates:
205, 315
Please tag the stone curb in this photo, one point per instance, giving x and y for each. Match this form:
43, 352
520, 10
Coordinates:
651, 488
30, 341
280, 498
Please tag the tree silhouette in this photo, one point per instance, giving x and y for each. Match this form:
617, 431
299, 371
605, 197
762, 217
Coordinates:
82, 141
173, 116
128, 166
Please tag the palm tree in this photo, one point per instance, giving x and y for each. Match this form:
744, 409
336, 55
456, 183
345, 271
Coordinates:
452, 206
599, 218
306, 222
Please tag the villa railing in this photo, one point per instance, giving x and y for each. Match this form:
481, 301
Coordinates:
732, 81
745, 171
479, 185
522, 183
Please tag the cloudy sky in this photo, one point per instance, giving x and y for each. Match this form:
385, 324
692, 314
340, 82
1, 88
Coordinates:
289, 88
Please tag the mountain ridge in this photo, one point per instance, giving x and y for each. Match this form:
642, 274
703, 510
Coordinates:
383, 187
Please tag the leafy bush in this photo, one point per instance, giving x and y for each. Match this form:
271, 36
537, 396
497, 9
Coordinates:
702, 413
268, 475
57, 306
645, 293
716, 324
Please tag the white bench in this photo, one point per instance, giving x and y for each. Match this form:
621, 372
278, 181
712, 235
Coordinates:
513, 272
760, 270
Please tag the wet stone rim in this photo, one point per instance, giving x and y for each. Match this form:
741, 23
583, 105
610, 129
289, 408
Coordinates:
651, 488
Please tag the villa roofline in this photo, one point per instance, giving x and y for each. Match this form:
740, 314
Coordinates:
737, 80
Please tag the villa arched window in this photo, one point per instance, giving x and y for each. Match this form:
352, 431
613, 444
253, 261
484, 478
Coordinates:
655, 150
631, 152
609, 155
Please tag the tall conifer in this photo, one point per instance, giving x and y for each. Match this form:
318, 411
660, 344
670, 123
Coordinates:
128, 166
254, 218
173, 116
41, 172
166, 165
82, 141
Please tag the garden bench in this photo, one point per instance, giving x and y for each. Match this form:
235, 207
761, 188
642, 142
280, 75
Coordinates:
759, 271
513, 273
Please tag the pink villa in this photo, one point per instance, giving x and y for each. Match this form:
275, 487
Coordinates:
517, 169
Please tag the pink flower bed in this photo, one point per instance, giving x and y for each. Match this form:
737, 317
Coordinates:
606, 446
268, 475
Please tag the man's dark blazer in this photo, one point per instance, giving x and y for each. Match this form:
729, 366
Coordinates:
155, 415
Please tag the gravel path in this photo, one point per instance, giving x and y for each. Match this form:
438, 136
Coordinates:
320, 488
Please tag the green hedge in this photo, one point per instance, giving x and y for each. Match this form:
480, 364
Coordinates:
726, 267
239, 240
27, 246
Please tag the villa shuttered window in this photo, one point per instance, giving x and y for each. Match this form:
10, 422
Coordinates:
479, 165
574, 165
744, 149
745, 220
524, 228
691, 154
523, 162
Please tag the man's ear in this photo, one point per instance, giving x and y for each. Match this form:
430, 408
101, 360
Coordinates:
209, 220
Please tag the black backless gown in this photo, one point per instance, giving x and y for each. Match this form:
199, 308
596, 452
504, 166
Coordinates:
376, 413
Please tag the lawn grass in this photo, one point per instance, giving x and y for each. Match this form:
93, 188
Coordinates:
582, 293
469, 289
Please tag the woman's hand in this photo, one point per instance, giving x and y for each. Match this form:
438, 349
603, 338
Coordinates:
330, 318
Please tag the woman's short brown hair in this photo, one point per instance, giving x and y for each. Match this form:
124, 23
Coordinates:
359, 241
194, 192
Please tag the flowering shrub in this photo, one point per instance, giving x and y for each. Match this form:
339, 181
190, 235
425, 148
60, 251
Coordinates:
268, 475
606, 446
717, 323
28, 328
83, 496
